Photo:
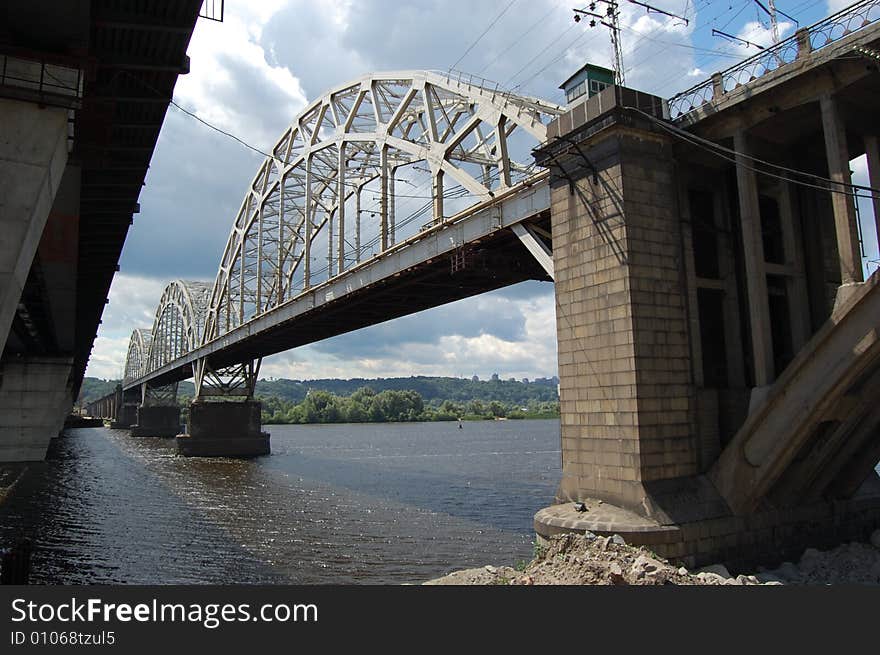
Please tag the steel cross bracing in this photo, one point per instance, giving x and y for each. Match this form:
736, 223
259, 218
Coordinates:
324, 202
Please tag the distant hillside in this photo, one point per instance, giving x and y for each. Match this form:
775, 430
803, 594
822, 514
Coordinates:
434, 390
94, 388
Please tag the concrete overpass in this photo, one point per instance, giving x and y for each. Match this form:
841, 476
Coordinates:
84, 87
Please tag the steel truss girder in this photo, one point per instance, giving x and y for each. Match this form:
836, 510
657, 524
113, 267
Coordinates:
159, 396
357, 134
237, 381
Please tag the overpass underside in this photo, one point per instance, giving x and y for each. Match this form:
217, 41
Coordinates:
84, 87
718, 347
497, 259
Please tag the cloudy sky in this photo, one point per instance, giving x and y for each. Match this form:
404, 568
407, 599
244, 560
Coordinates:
252, 74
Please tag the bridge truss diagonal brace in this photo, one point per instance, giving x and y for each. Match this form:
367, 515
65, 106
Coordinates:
159, 396
534, 245
236, 381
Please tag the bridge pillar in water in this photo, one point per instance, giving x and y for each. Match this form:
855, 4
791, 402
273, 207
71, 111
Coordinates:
224, 429
126, 408
156, 421
224, 419
158, 414
664, 331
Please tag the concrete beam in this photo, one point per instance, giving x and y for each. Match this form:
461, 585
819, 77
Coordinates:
33, 155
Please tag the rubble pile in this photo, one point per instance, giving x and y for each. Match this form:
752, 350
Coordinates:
588, 559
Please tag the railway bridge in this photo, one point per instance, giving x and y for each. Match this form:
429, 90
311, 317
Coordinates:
717, 339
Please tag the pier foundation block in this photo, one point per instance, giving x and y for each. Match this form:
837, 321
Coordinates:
126, 417
224, 429
157, 421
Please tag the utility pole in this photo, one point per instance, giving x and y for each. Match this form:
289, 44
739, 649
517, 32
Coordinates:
771, 10
611, 20
774, 23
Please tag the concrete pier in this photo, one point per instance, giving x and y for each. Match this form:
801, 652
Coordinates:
157, 421
224, 429
126, 416
35, 398
716, 385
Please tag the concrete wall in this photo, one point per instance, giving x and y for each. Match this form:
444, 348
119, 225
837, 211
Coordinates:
33, 155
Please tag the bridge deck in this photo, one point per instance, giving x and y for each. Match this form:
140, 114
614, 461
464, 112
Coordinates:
411, 276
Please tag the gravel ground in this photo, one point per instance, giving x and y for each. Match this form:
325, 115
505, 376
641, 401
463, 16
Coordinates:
574, 559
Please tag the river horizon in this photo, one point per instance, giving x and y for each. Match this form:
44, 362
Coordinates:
363, 503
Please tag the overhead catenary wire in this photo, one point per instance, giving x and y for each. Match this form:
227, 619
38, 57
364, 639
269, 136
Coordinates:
486, 31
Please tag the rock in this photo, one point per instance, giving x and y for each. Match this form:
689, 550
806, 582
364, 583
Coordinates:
682, 571
717, 569
602, 543
589, 536
580, 507
615, 572
527, 580
773, 583
875, 538
617, 539
711, 578
747, 580
491, 569
646, 566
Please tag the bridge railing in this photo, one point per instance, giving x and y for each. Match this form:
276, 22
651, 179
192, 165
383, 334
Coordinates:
58, 82
806, 40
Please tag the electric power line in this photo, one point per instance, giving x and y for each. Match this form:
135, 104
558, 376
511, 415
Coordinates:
486, 31
733, 156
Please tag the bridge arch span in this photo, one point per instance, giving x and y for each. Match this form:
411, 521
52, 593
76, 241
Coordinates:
179, 323
302, 221
138, 354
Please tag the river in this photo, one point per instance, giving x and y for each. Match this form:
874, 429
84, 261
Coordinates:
332, 504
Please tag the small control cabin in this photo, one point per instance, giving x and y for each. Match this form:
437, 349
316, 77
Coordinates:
587, 82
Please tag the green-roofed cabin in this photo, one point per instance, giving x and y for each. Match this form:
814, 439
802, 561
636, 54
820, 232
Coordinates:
588, 81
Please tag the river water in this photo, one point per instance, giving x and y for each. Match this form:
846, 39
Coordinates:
368, 503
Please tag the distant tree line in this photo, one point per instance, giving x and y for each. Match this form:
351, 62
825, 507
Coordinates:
384, 399
366, 405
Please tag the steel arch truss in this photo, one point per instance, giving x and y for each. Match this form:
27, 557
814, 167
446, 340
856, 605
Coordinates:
138, 355
303, 207
180, 321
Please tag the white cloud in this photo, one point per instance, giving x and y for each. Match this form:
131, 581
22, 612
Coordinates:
133, 302
836, 5
232, 84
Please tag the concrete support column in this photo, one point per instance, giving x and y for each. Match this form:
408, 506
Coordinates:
842, 201
872, 150
126, 408
224, 429
753, 255
157, 421
33, 154
796, 283
627, 399
35, 398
